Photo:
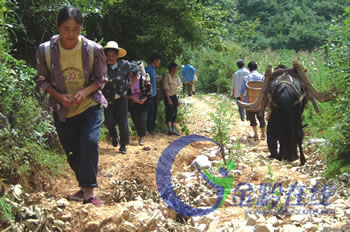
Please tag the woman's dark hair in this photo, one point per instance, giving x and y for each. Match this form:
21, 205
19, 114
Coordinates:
171, 66
111, 49
69, 12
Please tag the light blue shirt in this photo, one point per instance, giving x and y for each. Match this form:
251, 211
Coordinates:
253, 76
153, 75
237, 81
188, 73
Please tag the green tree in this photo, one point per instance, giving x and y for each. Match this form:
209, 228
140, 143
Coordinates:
139, 26
299, 25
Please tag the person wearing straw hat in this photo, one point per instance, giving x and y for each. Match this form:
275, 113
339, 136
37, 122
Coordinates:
251, 116
115, 92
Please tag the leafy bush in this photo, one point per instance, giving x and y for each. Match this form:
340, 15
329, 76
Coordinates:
5, 212
183, 114
338, 130
215, 67
30, 137
161, 124
222, 119
29, 140
297, 25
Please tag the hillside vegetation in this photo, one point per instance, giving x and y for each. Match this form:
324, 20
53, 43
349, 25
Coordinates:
211, 35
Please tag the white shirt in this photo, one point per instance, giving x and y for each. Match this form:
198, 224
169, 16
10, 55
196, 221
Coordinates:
238, 80
114, 66
253, 76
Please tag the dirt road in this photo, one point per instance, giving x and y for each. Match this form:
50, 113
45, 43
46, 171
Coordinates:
127, 185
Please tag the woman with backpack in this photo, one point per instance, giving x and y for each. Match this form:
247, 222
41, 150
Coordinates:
72, 70
139, 92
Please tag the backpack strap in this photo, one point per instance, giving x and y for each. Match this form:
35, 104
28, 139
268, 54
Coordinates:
91, 51
141, 84
47, 49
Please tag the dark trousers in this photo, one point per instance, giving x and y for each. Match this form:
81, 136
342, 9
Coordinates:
79, 137
240, 110
171, 111
138, 114
251, 116
152, 113
117, 113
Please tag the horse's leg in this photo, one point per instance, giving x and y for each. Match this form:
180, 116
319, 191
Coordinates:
302, 157
301, 135
271, 140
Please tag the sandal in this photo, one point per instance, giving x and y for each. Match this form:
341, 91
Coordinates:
78, 196
256, 138
94, 201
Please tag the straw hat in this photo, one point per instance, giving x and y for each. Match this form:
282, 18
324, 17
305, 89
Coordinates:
114, 45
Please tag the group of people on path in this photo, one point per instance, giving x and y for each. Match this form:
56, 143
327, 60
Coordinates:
80, 75
239, 91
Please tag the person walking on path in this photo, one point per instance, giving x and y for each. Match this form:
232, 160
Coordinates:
188, 73
153, 102
251, 116
116, 94
72, 70
171, 83
237, 81
138, 95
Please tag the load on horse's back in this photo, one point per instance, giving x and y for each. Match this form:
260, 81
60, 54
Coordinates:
286, 92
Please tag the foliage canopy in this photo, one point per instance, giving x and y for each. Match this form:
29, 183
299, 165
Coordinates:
139, 26
290, 24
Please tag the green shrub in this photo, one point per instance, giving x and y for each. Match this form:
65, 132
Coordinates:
6, 214
30, 139
161, 125
215, 67
338, 130
183, 114
222, 119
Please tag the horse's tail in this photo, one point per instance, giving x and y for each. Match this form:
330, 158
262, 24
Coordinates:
288, 141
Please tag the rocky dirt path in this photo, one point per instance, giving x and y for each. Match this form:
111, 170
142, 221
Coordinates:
294, 198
